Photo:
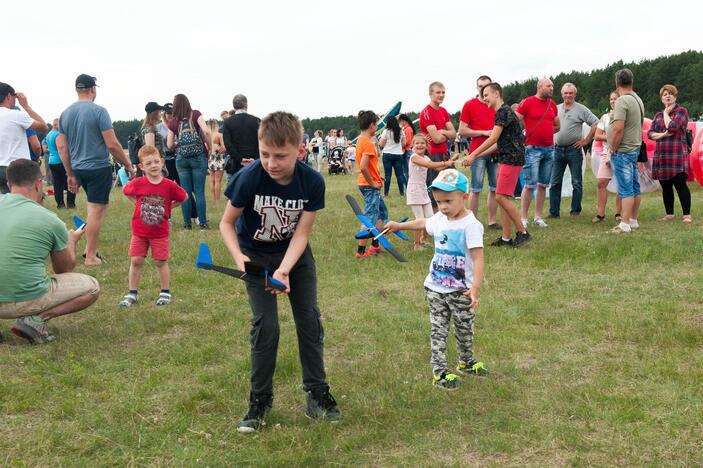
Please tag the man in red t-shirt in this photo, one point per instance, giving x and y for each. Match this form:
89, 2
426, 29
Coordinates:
437, 128
541, 118
476, 122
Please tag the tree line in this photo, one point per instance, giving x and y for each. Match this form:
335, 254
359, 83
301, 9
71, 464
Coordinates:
684, 70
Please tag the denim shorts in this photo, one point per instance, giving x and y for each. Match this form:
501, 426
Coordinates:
538, 165
374, 206
97, 183
480, 166
626, 173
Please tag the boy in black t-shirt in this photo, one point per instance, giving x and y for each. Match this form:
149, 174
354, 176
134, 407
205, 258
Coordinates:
507, 136
273, 202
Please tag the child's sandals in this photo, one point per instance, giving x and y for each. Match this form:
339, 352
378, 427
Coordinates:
163, 299
128, 301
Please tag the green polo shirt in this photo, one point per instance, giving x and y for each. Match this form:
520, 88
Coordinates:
29, 233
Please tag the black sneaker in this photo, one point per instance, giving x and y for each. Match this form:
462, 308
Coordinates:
521, 239
472, 368
188, 227
446, 381
71, 206
2, 337
500, 242
495, 226
322, 405
258, 409
204, 226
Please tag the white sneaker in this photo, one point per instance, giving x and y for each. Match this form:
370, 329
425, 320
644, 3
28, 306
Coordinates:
634, 224
539, 222
525, 223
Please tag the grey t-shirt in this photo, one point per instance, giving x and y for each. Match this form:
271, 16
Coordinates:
629, 109
83, 123
572, 121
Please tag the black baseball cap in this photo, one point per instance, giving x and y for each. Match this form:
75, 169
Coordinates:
85, 81
168, 108
152, 106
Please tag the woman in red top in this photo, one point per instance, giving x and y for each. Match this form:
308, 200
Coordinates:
670, 162
409, 130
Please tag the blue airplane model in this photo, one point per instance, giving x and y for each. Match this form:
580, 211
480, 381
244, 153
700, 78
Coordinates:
393, 112
372, 232
80, 224
253, 272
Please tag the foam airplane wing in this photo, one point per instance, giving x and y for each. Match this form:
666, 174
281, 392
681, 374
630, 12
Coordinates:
253, 272
372, 229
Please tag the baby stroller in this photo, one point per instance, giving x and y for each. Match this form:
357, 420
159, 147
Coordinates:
335, 161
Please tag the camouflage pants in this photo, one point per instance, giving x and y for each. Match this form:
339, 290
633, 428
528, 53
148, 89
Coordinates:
444, 306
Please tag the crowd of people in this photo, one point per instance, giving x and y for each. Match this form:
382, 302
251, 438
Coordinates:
275, 190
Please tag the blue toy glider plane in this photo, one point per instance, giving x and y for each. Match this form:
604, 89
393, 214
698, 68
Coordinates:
372, 232
382, 120
253, 272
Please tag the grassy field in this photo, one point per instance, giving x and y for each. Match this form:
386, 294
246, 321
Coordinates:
595, 343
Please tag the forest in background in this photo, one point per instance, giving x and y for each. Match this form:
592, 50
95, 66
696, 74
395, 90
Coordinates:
684, 70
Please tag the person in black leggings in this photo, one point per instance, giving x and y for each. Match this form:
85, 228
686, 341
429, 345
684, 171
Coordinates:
670, 162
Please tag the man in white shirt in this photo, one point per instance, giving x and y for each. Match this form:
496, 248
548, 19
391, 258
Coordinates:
13, 126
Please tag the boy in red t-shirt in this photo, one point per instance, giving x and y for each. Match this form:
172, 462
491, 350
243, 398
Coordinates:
154, 197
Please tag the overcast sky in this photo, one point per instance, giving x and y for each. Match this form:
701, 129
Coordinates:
320, 58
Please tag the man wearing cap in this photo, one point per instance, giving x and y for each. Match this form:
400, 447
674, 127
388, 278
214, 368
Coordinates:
241, 135
13, 126
86, 140
27, 293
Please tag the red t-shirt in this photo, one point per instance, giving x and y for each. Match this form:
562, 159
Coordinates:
478, 116
153, 207
532, 109
438, 118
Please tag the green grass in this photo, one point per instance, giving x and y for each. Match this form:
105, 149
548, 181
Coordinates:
595, 343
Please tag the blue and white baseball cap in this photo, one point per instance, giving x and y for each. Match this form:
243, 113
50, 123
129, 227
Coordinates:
449, 180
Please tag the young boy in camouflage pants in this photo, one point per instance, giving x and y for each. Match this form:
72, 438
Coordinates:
456, 273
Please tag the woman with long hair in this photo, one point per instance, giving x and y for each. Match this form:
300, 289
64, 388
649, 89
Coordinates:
216, 160
393, 144
670, 162
188, 134
409, 130
605, 171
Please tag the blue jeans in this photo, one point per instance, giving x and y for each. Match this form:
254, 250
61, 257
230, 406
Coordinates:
394, 162
406, 164
192, 172
625, 173
573, 157
538, 165
374, 206
478, 168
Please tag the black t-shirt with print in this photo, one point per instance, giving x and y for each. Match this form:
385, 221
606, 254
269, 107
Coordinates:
271, 210
511, 147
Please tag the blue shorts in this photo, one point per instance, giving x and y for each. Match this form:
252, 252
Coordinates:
374, 206
480, 166
97, 183
538, 165
626, 174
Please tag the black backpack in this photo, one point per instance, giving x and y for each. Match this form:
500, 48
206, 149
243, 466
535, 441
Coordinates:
134, 144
